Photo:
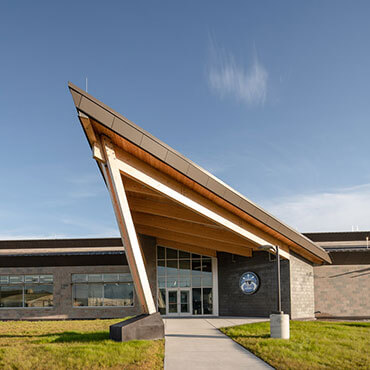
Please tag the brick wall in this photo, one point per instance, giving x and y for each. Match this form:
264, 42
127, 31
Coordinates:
342, 290
301, 288
233, 302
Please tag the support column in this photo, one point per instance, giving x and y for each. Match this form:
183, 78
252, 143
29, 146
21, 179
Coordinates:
126, 226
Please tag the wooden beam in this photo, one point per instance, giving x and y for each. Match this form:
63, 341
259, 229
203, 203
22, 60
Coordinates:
142, 172
86, 123
166, 209
135, 187
194, 240
94, 141
98, 153
190, 228
127, 228
187, 247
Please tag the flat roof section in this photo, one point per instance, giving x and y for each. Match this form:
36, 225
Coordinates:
121, 126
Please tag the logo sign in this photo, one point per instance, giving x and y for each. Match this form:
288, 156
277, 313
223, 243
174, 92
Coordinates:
249, 283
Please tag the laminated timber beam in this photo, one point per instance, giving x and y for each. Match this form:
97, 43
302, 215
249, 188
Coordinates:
194, 240
190, 228
166, 209
126, 226
135, 187
147, 175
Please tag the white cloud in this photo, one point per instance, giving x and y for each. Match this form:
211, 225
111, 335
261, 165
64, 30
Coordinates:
336, 210
227, 77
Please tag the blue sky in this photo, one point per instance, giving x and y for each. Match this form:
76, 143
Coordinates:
278, 91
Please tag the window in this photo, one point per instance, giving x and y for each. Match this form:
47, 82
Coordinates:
17, 291
178, 269
108, 290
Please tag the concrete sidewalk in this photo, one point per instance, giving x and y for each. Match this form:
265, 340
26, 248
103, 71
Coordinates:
196, 343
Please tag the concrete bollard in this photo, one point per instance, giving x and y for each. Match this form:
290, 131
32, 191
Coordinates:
279, 326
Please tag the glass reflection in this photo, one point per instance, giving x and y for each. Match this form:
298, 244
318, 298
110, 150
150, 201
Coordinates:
179, 270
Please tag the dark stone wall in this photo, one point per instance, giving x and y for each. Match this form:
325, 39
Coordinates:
148, 247
233, 302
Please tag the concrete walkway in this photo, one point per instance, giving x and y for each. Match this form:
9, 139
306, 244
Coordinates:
196, 343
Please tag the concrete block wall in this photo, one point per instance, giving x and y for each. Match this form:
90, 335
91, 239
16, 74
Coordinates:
233, 302
342, 290
301, 288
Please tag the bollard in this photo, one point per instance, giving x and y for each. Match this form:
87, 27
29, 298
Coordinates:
279, 325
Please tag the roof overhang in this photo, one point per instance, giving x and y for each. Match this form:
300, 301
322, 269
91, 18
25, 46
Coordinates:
150, 159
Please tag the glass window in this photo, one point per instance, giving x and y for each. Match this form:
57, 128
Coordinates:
172, 301
197, 301
81, 295
172, 268
110, 278
196, 281
161, 282
185, 281
171, 253
31, 279
206, 264
36, 295
95, 278
207, 301
196, 267
172, 282
125, 277
118, 290
79, 278
4, 279
16, 279
11, 296
46, 278
184, 267
95, 295
179, 269
207, 280
183, 254
118, 294
162, 301
161, 253
26, 291
161, 270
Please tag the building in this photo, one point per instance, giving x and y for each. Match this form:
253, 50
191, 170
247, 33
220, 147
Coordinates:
192, 245
90, 278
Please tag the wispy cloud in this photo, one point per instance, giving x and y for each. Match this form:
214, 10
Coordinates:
337, 210
247, 84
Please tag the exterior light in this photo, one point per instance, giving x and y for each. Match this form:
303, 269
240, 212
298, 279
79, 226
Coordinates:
279, 323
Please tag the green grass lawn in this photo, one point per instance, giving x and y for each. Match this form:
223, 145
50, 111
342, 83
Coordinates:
80, 344
313, 344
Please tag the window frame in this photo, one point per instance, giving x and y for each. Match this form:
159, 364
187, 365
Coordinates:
103, 282
23, 284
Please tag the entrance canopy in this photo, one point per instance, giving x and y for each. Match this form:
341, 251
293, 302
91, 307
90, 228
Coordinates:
156, 191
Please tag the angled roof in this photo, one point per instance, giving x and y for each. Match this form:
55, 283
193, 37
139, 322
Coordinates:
128, 130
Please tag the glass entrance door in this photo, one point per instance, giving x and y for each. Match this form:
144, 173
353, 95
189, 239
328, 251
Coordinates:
178, 302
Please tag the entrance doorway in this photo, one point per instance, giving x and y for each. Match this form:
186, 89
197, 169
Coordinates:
178, 302
186, 283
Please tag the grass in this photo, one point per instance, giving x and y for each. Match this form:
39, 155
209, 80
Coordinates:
313, 344
77, 344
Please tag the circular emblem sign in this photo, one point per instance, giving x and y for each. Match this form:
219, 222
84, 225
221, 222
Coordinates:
249, 283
